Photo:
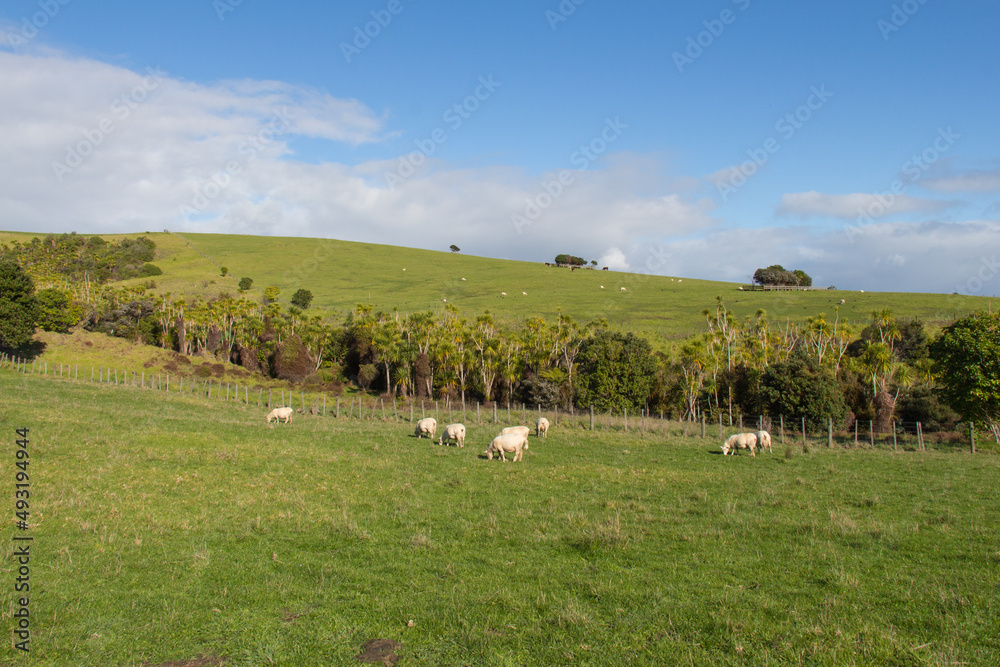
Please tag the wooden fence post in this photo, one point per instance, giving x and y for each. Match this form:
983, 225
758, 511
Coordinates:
829, 433
871, 433
920, 437
625, 413
782, 423
803, 431
591, 417
894, 447
972, 436
703, 424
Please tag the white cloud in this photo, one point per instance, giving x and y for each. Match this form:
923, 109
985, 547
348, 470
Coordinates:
614, 259
850, 206
980, 180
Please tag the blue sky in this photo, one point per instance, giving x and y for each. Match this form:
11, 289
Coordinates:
857, 140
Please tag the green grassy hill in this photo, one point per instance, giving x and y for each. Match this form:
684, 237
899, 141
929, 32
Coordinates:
341, 274
178, 526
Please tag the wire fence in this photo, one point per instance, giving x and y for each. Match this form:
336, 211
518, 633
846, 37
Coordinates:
913, 436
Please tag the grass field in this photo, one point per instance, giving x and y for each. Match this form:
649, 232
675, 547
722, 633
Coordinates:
169, 527
342, 274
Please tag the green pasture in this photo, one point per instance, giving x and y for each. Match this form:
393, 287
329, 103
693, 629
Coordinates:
341, 274
168, 527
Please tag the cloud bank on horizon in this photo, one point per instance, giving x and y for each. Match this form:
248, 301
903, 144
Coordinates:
701, 153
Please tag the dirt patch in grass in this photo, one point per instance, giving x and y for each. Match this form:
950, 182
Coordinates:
380, 650
200, 661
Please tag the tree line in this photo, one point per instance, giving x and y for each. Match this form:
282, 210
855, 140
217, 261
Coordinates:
884, 371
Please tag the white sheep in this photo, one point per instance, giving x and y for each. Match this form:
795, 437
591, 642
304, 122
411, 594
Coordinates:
426, 427
602, 286
524, 294
511, 443
763, 440
542, 427
463, 280
740, 441
280, 413
517, 430
623, 289
503, 294
454, 432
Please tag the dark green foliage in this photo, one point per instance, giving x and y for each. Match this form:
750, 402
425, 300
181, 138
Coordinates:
922, 404
777, 275
292, 361
800, 388
616, 371
968, 360
77, 258
57, 312
224, 271
572, 260
537, 390
302, 298
150, 270
132, 321
454, 248
19, 307
245, 284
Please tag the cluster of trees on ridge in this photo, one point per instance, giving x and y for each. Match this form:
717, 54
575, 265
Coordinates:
824, 368
777, 275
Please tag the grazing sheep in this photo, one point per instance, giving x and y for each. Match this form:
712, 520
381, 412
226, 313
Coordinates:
763, 441
602, 286
280, 413
542, 427
426, 427
524, 294
511, 443
623, 289
740, 441
517, 430
454, 432
463, 280
503, 294
843, 301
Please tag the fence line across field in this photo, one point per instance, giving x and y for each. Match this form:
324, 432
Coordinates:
405, 409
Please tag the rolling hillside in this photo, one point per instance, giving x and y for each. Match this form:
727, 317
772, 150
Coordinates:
341, 274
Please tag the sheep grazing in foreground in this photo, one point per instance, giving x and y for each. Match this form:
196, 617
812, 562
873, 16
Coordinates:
542, 427
740, 441
763, 441
280, 413
511, 443
426, 427
454, 432
517, 430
